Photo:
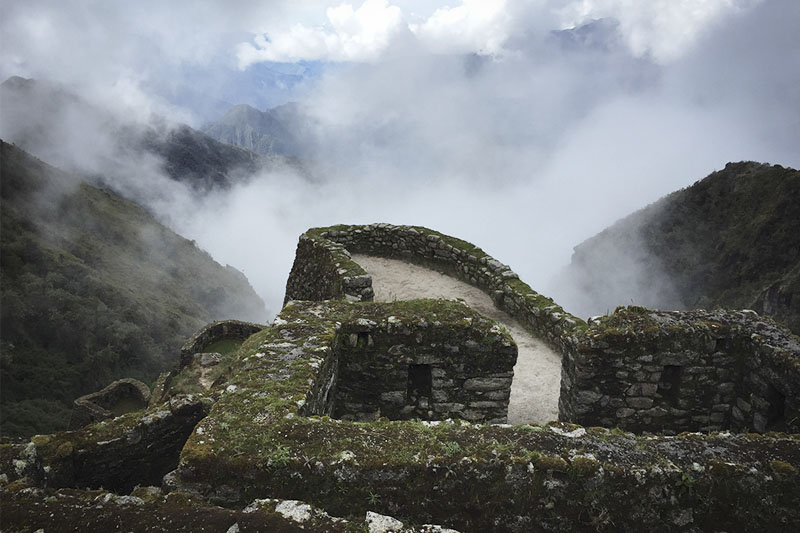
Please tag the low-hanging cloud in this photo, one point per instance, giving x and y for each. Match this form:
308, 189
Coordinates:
360, 34
527, 146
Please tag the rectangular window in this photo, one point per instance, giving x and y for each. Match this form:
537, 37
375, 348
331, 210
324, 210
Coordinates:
420, 383
669, 386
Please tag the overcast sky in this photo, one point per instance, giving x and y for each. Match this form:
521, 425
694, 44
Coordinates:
469, 116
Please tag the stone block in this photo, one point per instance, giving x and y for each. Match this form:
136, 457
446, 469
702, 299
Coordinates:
743, 405
639, 402
717, 418
487, 384
588, 397
649, 389
396, 397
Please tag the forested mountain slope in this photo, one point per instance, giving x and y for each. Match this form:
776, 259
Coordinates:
93, 289
730, 240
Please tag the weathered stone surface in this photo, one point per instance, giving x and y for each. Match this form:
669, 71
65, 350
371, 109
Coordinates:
681, 387
268, 444
134, 449
216, 331
208, 359
323, 263
120, 397
381, 372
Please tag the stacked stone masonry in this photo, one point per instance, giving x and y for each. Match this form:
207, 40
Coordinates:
214, 332
657, 371
271, 431
137, 448
324, 270
431, 371
277, 442
120, 397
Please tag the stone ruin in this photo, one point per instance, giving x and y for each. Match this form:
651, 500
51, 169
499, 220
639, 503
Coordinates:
120, 397
405, 370
357, 407
671, 372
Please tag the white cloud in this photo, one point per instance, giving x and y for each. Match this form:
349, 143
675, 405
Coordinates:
661, 29
361, 34
474, 26
526, 156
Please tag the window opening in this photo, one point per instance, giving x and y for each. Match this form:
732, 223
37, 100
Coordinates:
420, 383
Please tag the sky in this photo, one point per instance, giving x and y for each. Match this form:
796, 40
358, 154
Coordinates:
482, 119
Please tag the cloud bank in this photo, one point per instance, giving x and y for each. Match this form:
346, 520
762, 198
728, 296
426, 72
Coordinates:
482, 119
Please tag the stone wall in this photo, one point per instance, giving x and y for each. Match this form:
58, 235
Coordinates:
120, 397
324, 270
265, 441
134, 449
213, 332
669, 372
405, 369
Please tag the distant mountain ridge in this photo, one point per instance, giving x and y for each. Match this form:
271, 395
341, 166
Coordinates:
284, 130
93, 289
53, 123
731, 240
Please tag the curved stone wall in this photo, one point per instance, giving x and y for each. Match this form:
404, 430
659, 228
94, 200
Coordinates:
216, 331
324, 270
654, 375
120, 397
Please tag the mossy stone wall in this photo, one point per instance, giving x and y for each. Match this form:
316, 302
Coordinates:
137, 448
121, 396
657, 371
324, 270
214, 332
403, 369
264, 441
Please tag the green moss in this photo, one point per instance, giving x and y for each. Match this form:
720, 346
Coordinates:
556, 464
782, 467
223, 346
583, 467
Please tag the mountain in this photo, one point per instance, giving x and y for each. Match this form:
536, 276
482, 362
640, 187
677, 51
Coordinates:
730, 240
284, 130
60, 126
599, 35
93, 289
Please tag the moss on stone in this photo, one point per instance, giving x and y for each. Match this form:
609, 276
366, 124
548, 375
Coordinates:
782, 467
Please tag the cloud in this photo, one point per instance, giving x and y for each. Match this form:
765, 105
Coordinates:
526, 151
361, 34
474, 26
661, 29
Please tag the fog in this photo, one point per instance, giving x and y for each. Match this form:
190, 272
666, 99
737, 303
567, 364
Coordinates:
481, 122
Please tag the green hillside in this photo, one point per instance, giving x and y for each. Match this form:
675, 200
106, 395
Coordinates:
730, 240
92, 289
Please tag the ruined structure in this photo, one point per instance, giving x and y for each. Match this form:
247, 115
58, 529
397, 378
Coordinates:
213, 336
670, 372
278, 430
120, 397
